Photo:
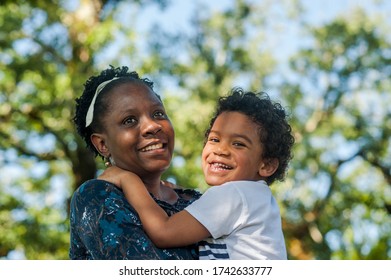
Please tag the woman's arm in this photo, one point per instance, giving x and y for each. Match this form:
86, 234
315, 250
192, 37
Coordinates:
178, 230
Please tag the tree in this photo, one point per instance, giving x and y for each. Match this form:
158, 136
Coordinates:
48, 50
340, 203
226, 50
336, 198
335, 202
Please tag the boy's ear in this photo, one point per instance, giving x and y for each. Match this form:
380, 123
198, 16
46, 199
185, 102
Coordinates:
268, 167
98, 140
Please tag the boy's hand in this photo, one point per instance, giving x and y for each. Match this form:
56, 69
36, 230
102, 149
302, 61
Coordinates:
113, 175
129, 182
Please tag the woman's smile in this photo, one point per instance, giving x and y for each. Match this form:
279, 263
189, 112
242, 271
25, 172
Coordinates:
152, 147
142, 128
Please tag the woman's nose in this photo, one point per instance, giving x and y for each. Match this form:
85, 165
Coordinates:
150, 127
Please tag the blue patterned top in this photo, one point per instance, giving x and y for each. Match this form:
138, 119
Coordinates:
105, 226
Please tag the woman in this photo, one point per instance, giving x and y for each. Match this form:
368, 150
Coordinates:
123, 120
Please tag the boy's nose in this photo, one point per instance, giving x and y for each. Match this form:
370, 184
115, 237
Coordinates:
221, 150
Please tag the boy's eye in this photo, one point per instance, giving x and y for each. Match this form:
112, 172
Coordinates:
213, 139
239, 144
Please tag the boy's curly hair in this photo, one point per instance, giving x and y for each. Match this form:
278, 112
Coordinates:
101, 105
274, 130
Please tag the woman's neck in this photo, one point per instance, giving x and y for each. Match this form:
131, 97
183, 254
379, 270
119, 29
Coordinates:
159, 190
152, 184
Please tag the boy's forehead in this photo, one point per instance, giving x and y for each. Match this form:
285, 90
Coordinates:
235, 117
235, 122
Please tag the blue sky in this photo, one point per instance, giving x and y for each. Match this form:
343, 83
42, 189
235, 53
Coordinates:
177, 18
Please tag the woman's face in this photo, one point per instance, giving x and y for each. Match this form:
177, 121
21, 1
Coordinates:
138, 134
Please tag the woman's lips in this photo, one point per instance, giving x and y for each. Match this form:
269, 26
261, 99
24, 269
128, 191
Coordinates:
152, 147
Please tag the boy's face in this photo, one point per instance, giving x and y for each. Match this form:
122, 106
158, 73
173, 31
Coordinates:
233, 150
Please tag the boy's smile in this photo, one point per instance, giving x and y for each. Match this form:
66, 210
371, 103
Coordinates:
233, 150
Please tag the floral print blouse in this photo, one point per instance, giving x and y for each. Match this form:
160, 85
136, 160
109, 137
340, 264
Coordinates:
105, 226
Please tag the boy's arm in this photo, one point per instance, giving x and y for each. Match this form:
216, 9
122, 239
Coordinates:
178, 230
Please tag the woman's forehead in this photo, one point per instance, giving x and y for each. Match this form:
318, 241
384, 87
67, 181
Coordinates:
133, 94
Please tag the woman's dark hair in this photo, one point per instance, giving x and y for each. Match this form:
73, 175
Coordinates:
101, 106
274, 129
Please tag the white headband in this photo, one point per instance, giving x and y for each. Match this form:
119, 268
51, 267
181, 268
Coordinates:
90, 112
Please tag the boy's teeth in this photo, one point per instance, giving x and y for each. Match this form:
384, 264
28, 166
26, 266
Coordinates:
222, 166
152, 147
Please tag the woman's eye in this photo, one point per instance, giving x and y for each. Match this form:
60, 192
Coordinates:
213, 139
160, 115
129, 121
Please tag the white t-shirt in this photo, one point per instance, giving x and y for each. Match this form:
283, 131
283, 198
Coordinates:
244, 220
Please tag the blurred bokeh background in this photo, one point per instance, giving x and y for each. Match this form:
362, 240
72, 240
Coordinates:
327, 62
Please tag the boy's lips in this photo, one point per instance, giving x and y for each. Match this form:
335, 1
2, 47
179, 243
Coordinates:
219, 166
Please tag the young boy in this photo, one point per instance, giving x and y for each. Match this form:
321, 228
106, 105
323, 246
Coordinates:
247, 147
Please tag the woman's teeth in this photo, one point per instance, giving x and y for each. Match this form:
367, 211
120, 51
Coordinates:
152, 147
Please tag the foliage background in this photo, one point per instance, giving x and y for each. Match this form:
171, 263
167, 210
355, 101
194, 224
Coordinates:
332, 75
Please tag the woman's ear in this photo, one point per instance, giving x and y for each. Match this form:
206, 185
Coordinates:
98, 140
268, 167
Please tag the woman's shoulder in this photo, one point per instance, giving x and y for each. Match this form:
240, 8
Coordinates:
98, 197
95, 189
95, 185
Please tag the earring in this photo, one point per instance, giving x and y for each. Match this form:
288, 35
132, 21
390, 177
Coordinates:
107, 162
